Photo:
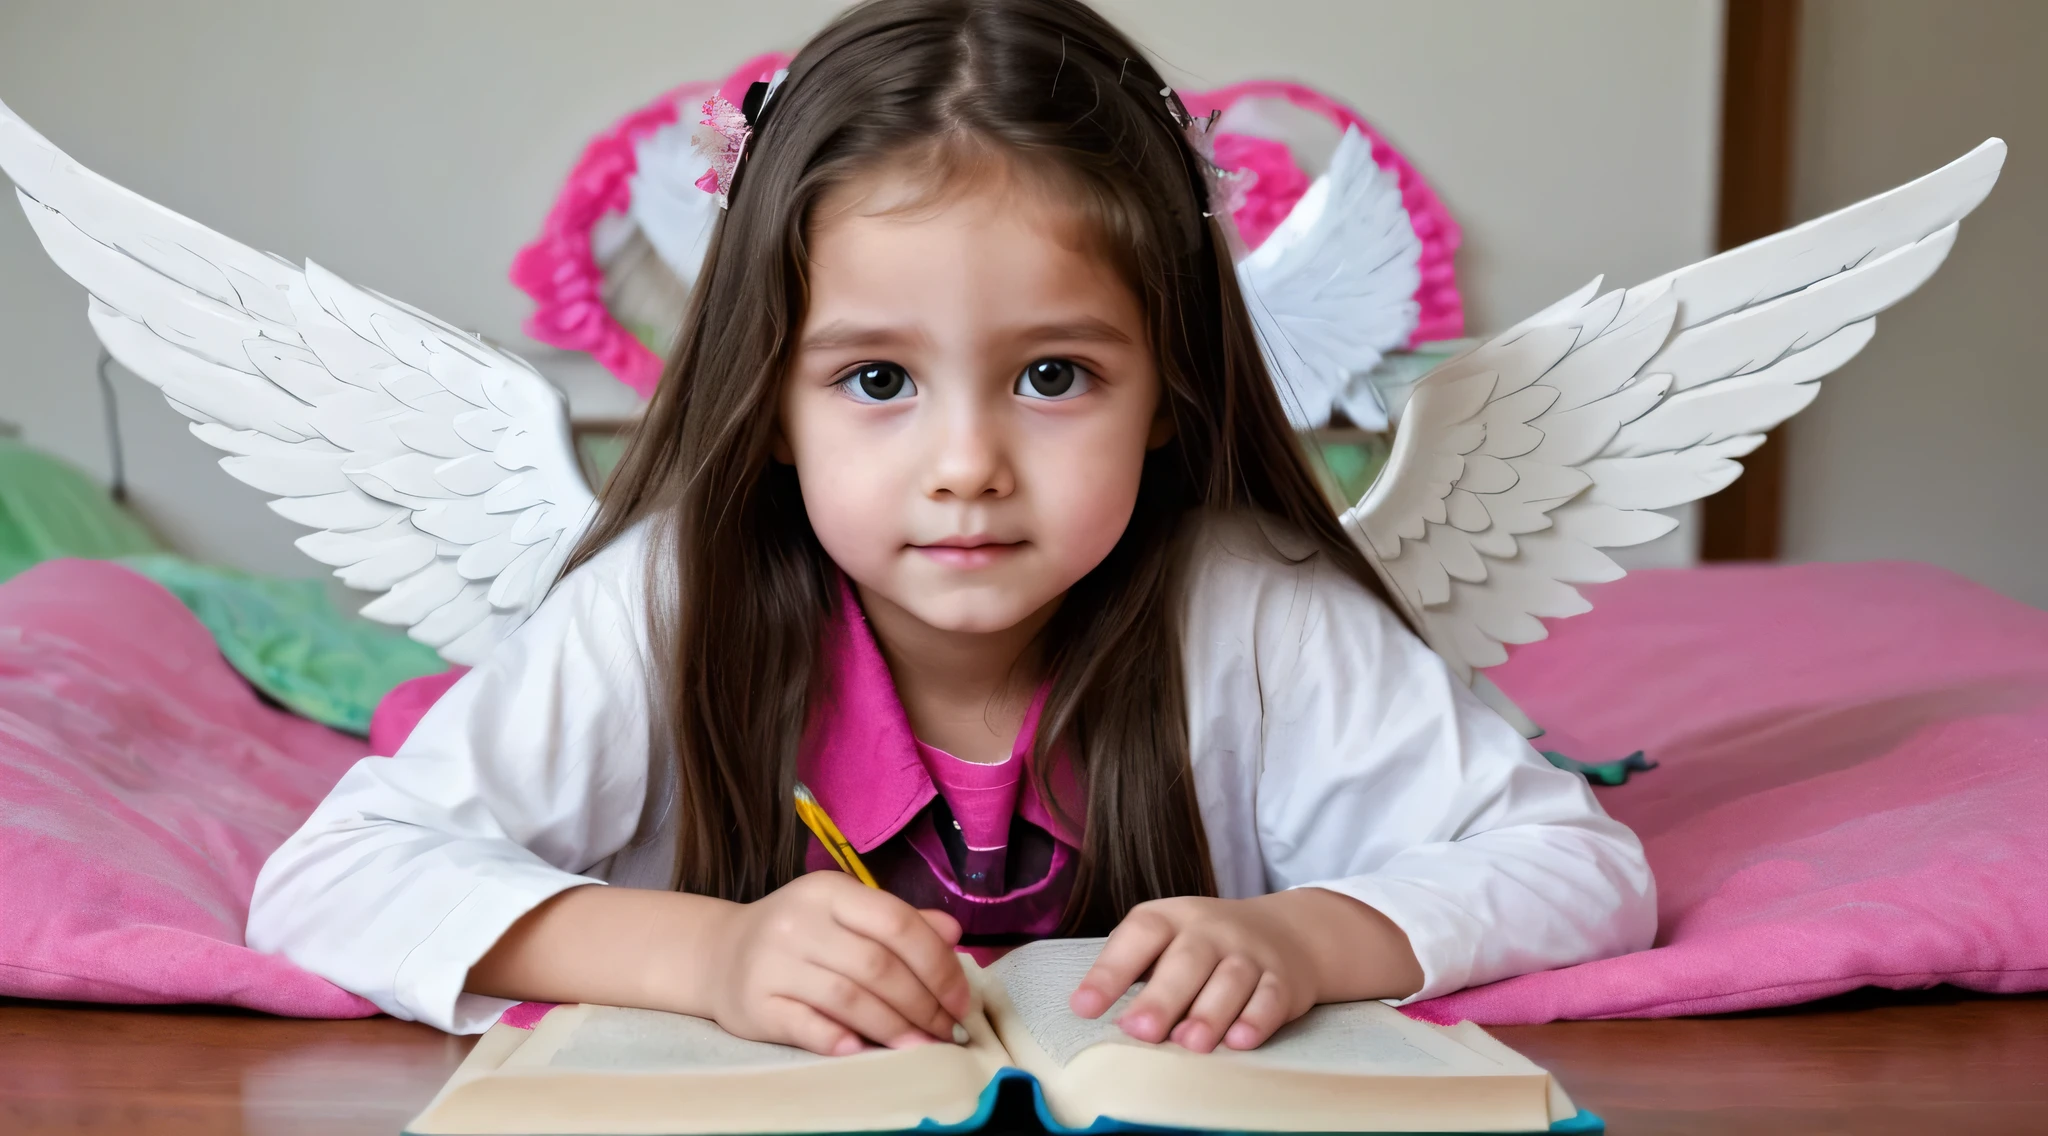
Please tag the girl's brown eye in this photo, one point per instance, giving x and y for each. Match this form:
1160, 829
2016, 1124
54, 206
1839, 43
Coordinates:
1052, 380
878, 382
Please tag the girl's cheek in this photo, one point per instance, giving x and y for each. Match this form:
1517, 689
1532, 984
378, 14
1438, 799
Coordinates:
851, 510
847, 474
1097, 489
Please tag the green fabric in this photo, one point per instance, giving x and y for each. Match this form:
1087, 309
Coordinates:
1347, 468
1346, 461
289, 641
284, 636
49, 508
600, 454
1603, 772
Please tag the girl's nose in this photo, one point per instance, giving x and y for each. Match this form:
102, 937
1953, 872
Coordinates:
969, 455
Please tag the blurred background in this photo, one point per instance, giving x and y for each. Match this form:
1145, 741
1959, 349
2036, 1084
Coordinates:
412, 148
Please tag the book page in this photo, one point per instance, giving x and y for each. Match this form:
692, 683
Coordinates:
626, 1040
1476, 1038
1354, 1037
1340, 1068
1039, 977
1366, 1038
607, 1069
1352, 1067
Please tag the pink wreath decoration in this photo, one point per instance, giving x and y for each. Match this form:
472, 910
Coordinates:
558, 268
560, 272
1277, 183
1275, 192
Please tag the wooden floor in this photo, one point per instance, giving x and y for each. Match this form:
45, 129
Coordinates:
1935, 1062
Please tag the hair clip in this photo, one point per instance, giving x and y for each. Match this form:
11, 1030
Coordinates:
758, 94
1227, 188
1175, 109
721, 137
724, 131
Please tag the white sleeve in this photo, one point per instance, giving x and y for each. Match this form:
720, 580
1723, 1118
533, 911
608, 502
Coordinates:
1384, 778
529, 770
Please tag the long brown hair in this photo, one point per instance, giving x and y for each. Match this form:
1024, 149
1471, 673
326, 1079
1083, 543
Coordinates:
1050, 84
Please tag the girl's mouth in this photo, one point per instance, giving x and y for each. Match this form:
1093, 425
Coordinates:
969, 552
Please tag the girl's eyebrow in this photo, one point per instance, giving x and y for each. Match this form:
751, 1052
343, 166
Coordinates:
1085, 329
841, 334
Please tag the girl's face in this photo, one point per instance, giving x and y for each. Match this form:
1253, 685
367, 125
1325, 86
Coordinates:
970, 401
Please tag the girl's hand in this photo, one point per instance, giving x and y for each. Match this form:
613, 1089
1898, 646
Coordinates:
1234, 970
825, 962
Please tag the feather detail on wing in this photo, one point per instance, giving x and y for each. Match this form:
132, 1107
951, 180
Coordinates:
676, 215
1519, 460
437, 467
1332, 289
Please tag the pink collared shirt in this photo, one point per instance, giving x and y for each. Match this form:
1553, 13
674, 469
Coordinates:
971, 839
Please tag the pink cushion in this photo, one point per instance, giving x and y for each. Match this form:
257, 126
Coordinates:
1854, 781
402, 708
1853, 788
142, 784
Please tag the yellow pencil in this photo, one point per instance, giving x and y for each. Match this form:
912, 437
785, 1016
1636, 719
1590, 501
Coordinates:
820, 823
814, 817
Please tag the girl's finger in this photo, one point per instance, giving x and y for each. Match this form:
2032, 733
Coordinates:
1229, 988
1132, 948
851, 1005
802, 1026
1266, 1012
881, 972
947, 927
1181, 972
911, 937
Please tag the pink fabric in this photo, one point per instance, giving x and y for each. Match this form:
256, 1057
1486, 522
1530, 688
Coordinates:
1853, 788
1277, 183
404, 705
526, 1015
1443, 307
860, 758
877, 781
142, 785
558, 269
983, 797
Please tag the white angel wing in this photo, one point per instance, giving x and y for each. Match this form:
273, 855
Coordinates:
437, 467
1519, 460
1333, 287
666, 203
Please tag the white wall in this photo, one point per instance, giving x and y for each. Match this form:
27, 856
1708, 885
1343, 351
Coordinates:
414, 147
1929, 446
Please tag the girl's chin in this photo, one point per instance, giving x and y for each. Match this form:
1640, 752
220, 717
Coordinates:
965, 616
968, 602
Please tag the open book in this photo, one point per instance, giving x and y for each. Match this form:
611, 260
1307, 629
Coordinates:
1356, 1067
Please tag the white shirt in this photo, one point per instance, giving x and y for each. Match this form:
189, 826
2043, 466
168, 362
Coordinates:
1330, 748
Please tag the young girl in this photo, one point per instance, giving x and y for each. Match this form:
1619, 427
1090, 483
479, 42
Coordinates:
967, 502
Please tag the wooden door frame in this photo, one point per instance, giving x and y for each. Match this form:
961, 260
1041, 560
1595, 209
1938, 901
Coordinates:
1759, 70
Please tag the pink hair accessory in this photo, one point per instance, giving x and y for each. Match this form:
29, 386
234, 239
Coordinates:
721, 138
559, 269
